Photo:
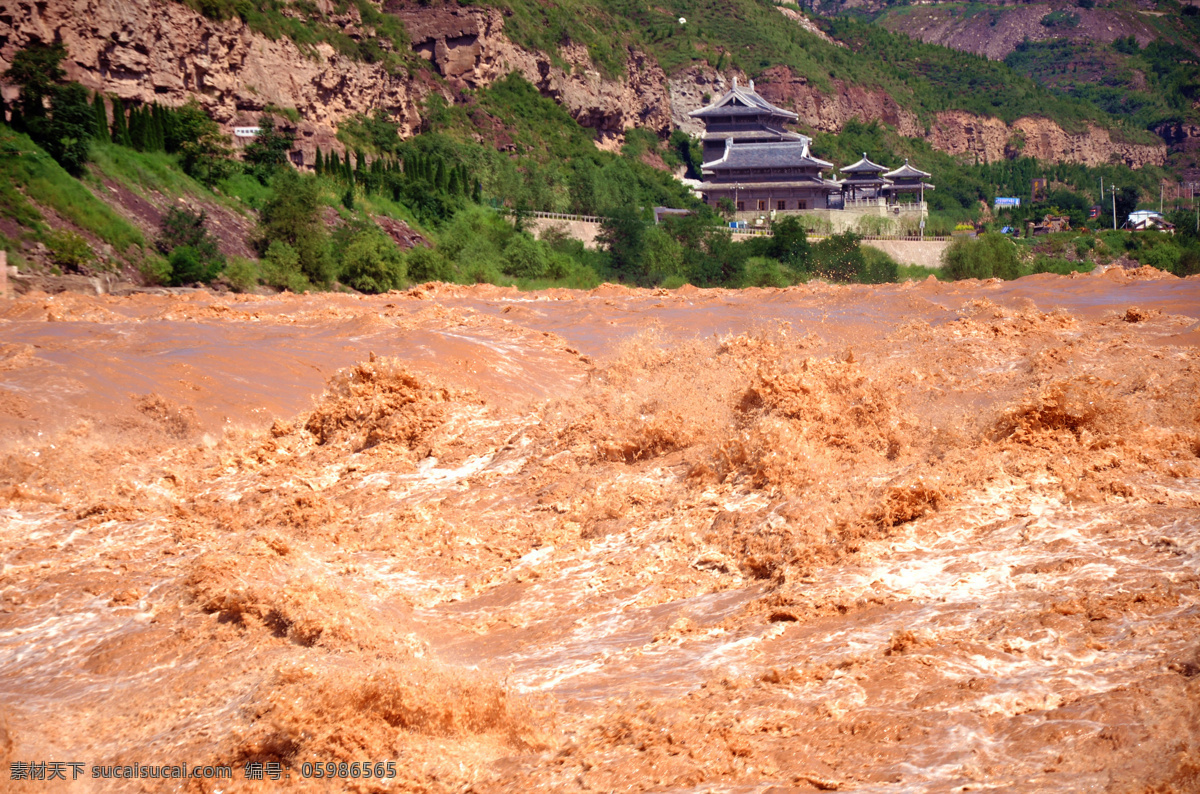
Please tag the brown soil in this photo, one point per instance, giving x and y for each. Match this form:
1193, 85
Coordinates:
919, 537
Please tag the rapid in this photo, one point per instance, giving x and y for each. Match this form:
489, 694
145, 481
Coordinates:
923, 537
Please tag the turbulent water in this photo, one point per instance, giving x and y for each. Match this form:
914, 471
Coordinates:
916, 538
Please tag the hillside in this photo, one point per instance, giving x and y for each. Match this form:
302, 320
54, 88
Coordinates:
1136, 60
613, 64
416, 127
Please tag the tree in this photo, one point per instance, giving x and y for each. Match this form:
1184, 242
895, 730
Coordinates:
1127, 201
838, 257
67, 133
524, 257
120, 129
373, 263
623, 234
100, 133
990, 256
789, 244
269, 149
293, 216
38, 70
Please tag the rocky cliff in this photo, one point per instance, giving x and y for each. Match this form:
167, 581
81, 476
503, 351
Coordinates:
991, 139
145, 50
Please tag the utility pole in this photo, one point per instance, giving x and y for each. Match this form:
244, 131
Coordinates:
1114, 202
1160, 196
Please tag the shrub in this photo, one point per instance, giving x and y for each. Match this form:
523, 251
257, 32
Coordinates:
838, 257
69, 251
155, 269
1164, 256
188, 266
281, 268
182, 228
427, 264
524, 257
878, 267
1188, 263
991, 255
559, 265
1060, 19
763, 271
373, 263
242, 274
293, 216
1052, 264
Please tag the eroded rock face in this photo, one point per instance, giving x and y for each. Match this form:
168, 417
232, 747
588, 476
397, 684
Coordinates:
164, 52
953, 131
829, 111
990, 139
145, 51
150, 51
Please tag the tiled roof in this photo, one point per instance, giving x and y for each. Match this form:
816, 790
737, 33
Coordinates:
906, 171
780, 154
741, 102
864, 166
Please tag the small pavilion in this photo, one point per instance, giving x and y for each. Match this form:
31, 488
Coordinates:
907, 179
863, 179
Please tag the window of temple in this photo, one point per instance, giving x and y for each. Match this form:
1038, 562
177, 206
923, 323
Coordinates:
801, 205
762, 205
780, 205
741, 206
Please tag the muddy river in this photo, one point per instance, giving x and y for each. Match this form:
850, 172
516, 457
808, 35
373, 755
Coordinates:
905, 538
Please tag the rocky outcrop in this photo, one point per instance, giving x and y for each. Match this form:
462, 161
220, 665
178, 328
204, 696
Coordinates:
468, 47
1000, 29
990, 140
155, 51
828, 111
147, 51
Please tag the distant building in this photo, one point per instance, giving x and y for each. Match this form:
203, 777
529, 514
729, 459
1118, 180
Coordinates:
763, 169
1148, 220
750, 159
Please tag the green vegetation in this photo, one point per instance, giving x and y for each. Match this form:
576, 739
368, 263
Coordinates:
190, 250
1152, 86
962, 186
29, 177
989, 256
751, 35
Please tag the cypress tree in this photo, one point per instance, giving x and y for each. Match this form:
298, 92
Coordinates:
101, 131
120, 130
135, 129
160, 129
17, 121
318, 164
333, 164
443, 178
347, 171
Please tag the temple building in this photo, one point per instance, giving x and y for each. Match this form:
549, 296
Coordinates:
751, 159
